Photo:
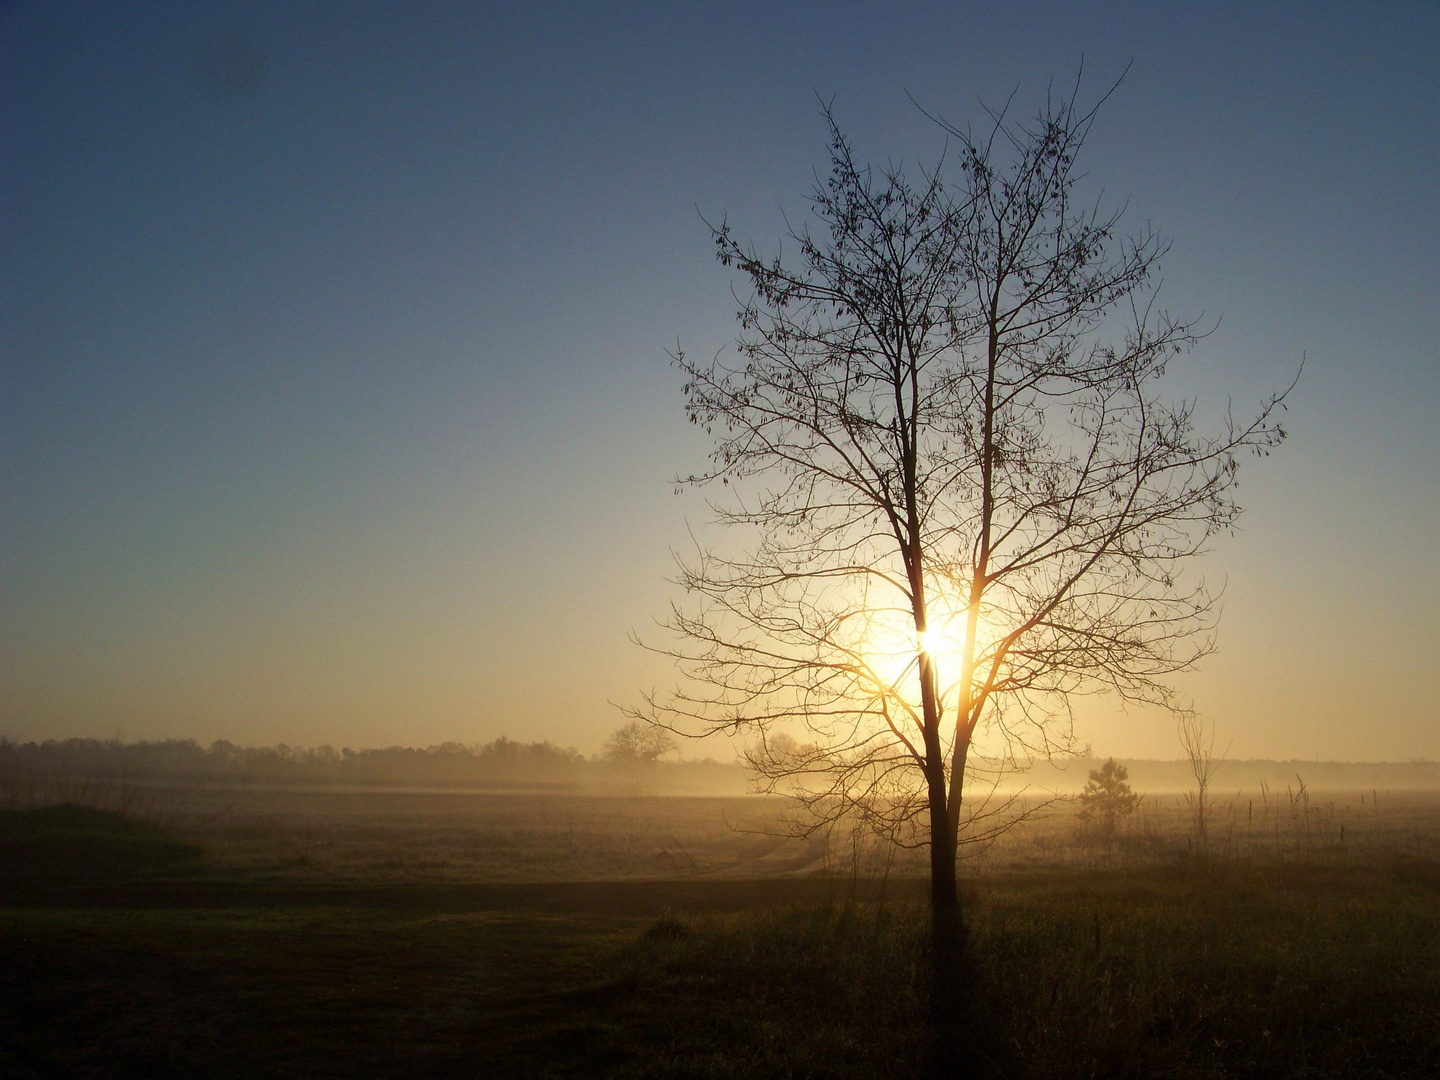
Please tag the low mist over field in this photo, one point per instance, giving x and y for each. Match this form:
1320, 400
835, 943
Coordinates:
518, 907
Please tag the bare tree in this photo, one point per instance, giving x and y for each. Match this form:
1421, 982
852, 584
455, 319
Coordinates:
637, 745
959, 496
1197, 739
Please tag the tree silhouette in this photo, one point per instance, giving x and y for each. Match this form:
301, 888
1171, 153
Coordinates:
956, 494
637, 745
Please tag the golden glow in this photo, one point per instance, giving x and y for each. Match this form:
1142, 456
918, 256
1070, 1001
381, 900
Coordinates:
934, 642
892, 648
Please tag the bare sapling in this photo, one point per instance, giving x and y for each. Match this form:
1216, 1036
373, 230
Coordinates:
1197, 739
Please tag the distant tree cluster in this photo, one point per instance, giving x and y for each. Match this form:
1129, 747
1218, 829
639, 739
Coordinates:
638, 745
503, 762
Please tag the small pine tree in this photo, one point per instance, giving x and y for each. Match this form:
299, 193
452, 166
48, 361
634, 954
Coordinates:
1107, 796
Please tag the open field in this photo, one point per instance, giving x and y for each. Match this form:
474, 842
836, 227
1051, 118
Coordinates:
460, 836
441, 934
390, 835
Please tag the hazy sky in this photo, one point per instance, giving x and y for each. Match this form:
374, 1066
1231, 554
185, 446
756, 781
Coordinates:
334, 398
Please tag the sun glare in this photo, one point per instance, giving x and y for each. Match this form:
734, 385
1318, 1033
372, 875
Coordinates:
894, 651
934, 642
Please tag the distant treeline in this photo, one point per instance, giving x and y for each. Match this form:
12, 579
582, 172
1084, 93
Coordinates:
503, 763
506, 763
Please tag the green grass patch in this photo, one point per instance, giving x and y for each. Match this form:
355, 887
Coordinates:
82, 843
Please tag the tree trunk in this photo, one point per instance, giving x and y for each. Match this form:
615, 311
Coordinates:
951, 970
946, 923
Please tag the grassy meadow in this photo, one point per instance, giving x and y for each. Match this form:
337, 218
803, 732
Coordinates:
239, 931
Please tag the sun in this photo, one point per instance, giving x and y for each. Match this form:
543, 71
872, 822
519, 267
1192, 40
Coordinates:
944, 637
934, 642
892, 650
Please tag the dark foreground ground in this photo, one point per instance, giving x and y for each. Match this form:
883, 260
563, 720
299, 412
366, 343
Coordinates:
126, 955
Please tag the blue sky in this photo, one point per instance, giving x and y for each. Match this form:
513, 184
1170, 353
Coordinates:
334, 400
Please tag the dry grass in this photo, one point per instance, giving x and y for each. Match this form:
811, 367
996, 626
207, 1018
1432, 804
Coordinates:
426, 836
478, 836
333, 933
1264, 827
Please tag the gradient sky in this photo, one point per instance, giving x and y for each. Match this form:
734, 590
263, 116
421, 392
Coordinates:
334, 398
